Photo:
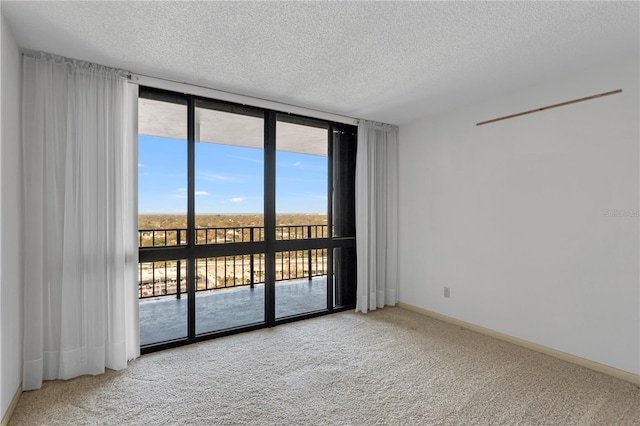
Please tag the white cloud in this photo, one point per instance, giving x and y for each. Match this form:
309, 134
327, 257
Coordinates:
297, 164
140, 165
182, 193
212, 177
237, 200
178, 193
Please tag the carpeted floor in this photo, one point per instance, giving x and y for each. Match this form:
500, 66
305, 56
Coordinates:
389, 367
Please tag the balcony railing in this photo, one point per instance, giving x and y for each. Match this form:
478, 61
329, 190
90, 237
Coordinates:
168, 278
242, 234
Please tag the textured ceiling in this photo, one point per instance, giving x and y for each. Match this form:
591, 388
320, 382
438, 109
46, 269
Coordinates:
386, 61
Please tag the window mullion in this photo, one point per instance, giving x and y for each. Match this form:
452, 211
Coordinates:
191, 233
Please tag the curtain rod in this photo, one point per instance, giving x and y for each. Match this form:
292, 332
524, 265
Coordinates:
613, 92
183, 87
225, 95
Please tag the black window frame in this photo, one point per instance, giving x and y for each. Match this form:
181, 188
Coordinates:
270, 246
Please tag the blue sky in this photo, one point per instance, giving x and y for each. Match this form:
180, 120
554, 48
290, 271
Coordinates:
229, 179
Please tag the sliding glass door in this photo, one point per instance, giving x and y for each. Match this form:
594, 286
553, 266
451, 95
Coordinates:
229, 219
245, 218
301, 216
162, 220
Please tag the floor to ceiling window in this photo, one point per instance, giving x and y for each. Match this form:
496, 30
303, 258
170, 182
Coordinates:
246, 218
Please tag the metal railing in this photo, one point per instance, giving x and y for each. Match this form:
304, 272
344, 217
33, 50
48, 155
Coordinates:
168, 278
162, 237
235, 234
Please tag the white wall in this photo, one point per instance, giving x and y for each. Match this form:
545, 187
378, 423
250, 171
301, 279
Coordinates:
11, 290
516, 216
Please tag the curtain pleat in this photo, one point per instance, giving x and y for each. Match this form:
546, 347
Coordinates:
377, 216
80, 200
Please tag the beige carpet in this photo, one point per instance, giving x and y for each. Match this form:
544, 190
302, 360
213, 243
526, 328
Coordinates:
390, 366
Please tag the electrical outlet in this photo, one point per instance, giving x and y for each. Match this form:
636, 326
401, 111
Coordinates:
447, 292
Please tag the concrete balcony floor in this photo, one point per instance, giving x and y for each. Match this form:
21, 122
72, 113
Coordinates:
166, 318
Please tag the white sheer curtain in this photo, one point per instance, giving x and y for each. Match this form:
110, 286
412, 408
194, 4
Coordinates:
377, 215
80, 201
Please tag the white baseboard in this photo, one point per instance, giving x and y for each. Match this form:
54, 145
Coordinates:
611, 371
12, 406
